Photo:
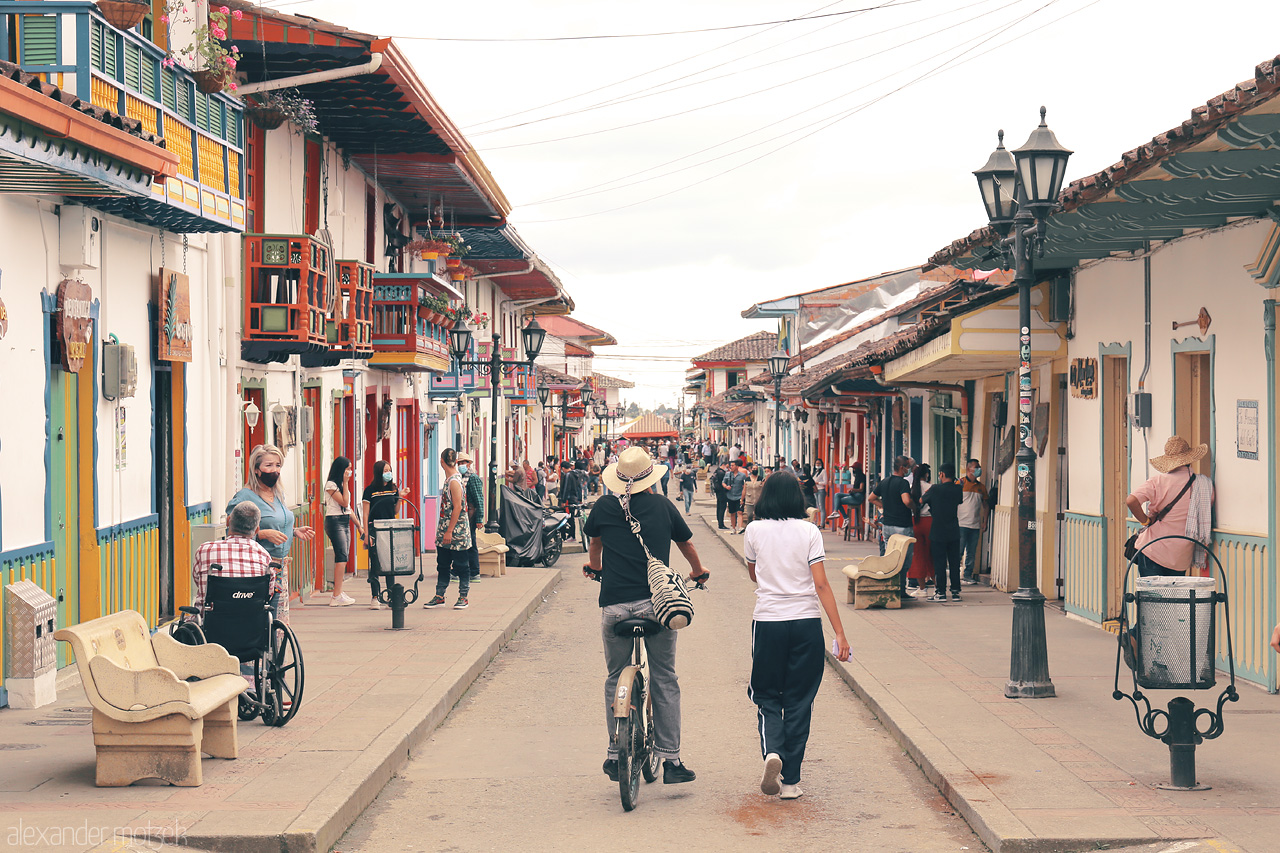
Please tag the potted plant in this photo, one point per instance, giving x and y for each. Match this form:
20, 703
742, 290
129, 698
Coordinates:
429, 249
481, 320
269, 110
124, 14
208, 47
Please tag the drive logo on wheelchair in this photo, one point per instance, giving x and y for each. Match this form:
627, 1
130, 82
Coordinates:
242, 595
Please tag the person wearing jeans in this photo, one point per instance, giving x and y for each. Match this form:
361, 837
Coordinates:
893, 496
972, 514
688, 483
942, 501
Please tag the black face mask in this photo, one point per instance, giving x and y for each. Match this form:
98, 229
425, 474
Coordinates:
268, 478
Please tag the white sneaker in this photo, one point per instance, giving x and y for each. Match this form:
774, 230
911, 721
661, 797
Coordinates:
377, 605
772, 770
790, 792
342, 600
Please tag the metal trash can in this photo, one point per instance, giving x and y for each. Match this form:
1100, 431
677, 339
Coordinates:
393, 539
31, 616
1175, 628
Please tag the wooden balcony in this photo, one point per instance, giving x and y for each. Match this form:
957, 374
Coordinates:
68, 44
289, 297
407, 335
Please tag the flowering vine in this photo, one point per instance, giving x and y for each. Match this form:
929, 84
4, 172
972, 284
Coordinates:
208, 48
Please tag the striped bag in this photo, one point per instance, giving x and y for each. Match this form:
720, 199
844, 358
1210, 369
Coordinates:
672, 606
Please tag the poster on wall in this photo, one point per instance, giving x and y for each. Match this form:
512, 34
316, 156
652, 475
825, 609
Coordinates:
121, 446
1247, 429
173, 296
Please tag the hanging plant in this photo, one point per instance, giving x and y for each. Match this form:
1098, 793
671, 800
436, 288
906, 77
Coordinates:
208, 48
124, 14
269, 110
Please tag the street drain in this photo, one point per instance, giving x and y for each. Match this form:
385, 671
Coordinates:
19, 746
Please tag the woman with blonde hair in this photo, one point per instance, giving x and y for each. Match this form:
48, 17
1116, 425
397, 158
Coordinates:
262, 486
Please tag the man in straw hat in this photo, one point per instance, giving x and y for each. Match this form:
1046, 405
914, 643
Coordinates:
1174, 505
616, 554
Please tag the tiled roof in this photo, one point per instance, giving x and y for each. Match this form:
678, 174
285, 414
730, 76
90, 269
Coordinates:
554, 378
133, 127
1205, 121
571, 327
754, 347
599, 380
650, 425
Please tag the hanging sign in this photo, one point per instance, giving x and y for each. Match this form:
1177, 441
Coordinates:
73, 323
174, 298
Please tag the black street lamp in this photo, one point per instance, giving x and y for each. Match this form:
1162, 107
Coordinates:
601, 410
495, 368
778, 367
1019, 192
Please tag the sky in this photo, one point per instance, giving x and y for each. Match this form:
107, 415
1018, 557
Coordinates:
673, 178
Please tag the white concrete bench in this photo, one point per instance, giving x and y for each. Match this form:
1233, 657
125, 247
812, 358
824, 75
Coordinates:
492, 549
874, 581
149, 721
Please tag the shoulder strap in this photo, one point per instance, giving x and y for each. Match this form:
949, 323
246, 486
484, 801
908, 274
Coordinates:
1160, 514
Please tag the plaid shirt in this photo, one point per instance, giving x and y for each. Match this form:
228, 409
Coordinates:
475, 498
236, 557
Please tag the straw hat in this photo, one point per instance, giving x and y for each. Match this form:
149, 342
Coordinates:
634, 467
464, 456
1177, 453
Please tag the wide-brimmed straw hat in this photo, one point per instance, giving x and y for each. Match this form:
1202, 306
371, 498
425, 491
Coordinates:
464, 456
635, 467
1178, 453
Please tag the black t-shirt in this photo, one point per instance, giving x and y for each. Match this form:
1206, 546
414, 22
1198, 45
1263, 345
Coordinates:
626, 572
859, 480
717, 482
383, 499
943, 499
890, 492
688, 482
570, 487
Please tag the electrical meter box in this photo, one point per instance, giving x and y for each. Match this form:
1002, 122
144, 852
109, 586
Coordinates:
1140, 409
119, 371
79, 238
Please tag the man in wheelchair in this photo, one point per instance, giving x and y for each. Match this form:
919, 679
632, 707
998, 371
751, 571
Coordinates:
235, 598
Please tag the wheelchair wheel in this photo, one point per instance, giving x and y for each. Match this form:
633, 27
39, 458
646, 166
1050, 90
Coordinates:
284, 677
187, 633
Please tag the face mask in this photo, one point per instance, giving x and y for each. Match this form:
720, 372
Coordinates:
977, 472
462, 468
386, 476
268, 478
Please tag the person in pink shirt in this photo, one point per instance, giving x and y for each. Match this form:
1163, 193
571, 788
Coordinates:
1163, 505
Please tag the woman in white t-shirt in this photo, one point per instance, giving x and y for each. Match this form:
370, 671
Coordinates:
785, 558
337, 525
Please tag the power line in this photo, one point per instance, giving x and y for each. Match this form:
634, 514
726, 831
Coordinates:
655, 91
729, 44
837, 118
669, 32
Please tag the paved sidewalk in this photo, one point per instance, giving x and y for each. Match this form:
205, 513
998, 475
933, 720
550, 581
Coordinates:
371, 698
1065, 774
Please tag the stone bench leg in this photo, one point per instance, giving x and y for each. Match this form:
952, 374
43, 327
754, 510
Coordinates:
492, 564
866, 593
220, 736
167, 748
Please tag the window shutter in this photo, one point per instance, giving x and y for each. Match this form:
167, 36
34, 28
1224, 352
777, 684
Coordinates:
39, 40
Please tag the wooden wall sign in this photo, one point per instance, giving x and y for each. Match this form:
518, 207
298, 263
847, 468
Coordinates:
73, 324
174, 298
1084, 378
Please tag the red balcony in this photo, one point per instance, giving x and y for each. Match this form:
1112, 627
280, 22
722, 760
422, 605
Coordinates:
349, 325
407, 333
288, 297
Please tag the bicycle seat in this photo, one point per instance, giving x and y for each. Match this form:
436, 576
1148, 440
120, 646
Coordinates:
636, 625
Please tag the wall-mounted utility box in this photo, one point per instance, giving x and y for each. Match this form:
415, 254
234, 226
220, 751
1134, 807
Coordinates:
119, 371
1140, 409
79, 238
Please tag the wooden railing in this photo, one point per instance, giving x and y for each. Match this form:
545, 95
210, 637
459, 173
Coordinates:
1084, 548
129, 567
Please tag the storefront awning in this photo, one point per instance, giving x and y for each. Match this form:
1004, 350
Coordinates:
981, 343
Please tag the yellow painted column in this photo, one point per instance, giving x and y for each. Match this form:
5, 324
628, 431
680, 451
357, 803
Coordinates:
90, 568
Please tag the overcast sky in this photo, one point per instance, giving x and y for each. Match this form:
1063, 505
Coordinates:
700, 173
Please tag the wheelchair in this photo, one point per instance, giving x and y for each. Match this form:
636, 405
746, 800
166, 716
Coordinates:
237, 615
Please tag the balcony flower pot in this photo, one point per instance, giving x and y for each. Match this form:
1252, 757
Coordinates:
124, 14
453, 263
210, 82
267, 118
447, 323
457, 275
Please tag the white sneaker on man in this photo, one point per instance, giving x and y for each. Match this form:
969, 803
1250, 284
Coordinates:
377, 605
342, 600
790, 792
772, 772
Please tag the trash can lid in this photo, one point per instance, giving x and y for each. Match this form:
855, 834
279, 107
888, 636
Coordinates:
1178, 587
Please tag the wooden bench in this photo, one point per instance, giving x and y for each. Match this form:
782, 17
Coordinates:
874, 581
149, 721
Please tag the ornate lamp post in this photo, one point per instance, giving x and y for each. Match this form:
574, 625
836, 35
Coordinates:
601, 410
1019, 192
778, 367
495, 368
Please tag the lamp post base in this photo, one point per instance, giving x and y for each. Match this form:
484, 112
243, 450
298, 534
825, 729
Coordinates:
1029, 657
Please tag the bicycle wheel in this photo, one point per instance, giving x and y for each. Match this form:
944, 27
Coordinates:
649, 767
631, 737
285, 675
552, 552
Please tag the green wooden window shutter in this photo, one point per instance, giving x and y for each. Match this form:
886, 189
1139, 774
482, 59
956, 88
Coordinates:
109, 54
132, 67
202, 111
183, 108
169, 90
39, 40
95, 45
149, 78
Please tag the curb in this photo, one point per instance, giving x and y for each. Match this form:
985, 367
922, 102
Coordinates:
322, 824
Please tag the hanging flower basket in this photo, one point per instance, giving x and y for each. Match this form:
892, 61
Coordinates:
210, 82
453, 263
447, 322
124, 14
267, 118
457, 275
